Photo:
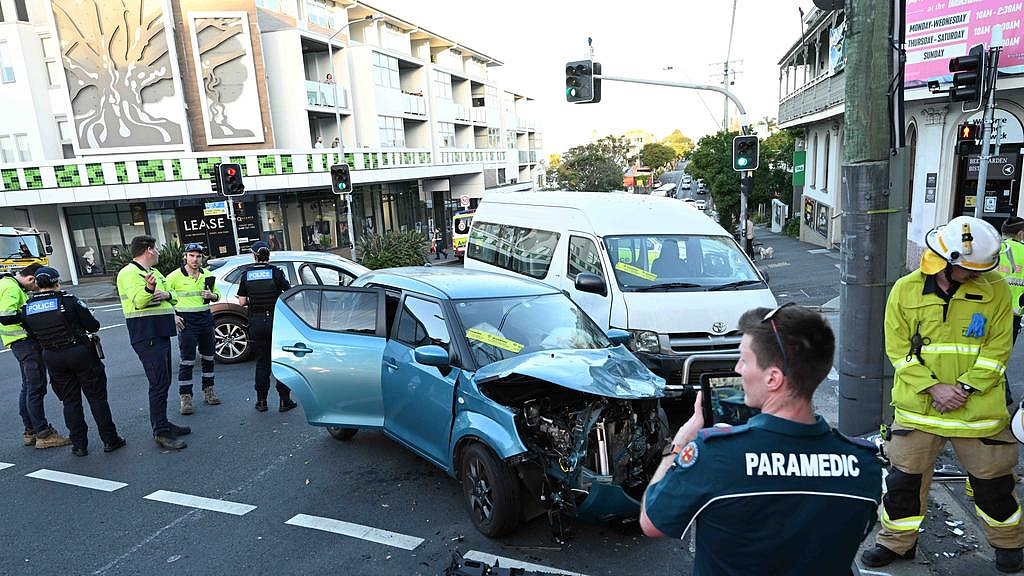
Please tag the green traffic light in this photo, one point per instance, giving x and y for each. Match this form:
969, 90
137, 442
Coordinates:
741, 162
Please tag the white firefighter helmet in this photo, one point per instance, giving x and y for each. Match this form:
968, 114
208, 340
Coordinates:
967, 242
1017, 422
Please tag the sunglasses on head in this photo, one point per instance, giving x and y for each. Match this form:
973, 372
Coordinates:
770, 319
195, 247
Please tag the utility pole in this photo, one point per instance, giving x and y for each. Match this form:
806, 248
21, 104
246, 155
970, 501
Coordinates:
871, 216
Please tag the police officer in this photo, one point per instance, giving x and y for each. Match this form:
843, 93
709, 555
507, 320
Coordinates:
194, 288
258, 290
60, 323
948, 333
785, 468
149, 316
30, 359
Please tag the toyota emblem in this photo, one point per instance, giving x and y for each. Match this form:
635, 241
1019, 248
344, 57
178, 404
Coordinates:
718, 327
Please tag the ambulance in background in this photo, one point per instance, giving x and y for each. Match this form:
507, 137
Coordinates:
460, 231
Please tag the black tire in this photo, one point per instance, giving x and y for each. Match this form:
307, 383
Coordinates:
231, 339
490, 491
341, 434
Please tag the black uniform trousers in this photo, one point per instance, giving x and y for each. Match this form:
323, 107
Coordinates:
261, 326
76, 371
155, 354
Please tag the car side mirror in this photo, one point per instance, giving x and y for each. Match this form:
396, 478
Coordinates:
587, 282
432, 355
619, 336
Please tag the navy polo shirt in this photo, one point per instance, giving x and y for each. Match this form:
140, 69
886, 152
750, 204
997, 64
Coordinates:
771, 497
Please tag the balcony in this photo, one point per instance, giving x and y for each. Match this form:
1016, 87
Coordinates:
479, 115
527, 157
472, 155
462, 113
322, 94
525, 123
414, 104
816, 96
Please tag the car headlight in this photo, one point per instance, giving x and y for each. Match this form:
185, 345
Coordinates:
646, 341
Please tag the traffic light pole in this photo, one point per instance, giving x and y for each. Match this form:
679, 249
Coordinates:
986, 131
234, 225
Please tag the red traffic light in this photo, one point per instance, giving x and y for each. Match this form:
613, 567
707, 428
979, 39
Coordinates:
231, 171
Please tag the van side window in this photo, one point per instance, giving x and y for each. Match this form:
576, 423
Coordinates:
583, 257
526, 251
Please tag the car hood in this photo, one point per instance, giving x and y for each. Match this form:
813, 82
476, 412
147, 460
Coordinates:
611, 372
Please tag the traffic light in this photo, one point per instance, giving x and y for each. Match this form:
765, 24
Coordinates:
966, 137
230, 179
579, 81
745, 151
341, 179
968, 78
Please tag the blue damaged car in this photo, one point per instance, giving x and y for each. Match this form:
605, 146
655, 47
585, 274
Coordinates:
502, 382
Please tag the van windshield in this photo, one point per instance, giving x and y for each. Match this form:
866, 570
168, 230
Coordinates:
680, 263
26, 246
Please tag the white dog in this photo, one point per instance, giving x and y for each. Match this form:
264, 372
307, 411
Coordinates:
767, 252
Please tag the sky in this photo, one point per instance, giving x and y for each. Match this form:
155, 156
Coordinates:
632, 38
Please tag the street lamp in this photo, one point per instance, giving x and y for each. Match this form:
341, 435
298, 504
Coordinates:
337, 124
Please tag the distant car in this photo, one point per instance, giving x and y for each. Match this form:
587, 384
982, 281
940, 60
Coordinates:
502, 382
231, 320
690, 201
700, 204
687, 178
685, 185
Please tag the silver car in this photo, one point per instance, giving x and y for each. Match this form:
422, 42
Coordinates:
231, 320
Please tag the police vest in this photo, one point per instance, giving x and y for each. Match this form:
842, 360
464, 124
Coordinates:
262, 289
1011, 266
45, 320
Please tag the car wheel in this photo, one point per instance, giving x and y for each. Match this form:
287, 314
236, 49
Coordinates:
231, 340
490, 491
341, 434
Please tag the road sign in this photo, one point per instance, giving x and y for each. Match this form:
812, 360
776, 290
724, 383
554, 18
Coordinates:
464, 201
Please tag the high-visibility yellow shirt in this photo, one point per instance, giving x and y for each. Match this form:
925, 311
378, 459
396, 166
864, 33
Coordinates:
948, 355
1011, 266
189, 291
12, 298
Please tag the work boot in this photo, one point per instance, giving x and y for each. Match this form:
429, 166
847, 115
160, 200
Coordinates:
169, 442
1009, 559
882, 556
117, 443
261, 405
186, 404
176, 430
51, 440
210, 397
286, 403
29, 437
79, 450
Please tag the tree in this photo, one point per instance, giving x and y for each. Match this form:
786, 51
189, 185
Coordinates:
590, 168
679, 143
712, 161
617, 148
655, 156
774, 175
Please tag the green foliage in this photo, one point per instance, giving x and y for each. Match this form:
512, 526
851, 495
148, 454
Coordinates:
616, 148
680, 144
656, 155
774, 175
591, 168
171, 256
392, 249
792, 227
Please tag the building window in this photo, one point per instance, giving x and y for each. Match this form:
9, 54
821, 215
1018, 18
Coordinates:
274, 5
385, 71
318, 13
24, 152
392, 132
825, 166
490, 96
510, 135
6, 67
21, 10
443, 84
54, 72
494, 138
814, 162
446, 132
6, 149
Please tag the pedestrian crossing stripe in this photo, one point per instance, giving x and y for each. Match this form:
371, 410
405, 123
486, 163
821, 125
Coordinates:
76, 480
5, 465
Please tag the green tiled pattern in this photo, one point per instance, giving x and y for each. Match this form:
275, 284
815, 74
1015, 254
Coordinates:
95, 174
205, 166
309, 162
385, 159
240, 160
151, 170
122, 172
10, 176
373, 161
33, 179
286, 164
323, 162
176, 168
350, 159
268, 164
67, 176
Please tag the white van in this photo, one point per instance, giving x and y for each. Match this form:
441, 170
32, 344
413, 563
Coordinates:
668, 274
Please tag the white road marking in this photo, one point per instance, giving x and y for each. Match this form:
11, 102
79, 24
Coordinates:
356, 531
200, 502
111, 326
5, 465
510, 563
819, 251
863, 571
76, 480
106, 307
776, 265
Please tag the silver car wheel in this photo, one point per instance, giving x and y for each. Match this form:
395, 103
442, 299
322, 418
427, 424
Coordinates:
231, 340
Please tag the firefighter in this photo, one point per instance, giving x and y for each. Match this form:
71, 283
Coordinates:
258, 291
194, 288
948, 333
61, 323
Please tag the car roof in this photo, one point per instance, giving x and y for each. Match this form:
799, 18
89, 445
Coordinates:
454, 283
288, 256
644, 214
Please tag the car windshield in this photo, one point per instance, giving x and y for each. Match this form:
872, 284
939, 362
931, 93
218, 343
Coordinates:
679, 262
26, 246
499, 328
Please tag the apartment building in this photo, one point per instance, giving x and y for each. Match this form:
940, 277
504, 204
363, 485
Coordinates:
942, 181
113, 119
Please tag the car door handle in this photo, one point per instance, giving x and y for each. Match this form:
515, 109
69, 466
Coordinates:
391, 364
299, 349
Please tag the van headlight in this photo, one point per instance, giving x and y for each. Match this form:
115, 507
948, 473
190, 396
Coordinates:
646, 341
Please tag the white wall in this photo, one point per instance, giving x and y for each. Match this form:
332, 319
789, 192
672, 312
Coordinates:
286, 88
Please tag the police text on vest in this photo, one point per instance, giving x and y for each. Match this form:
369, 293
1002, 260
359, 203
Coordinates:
778, 464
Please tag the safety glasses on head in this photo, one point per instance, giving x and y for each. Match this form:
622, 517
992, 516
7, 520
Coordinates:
195, 247
770, 319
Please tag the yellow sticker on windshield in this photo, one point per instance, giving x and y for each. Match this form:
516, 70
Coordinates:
634, 271
494, 340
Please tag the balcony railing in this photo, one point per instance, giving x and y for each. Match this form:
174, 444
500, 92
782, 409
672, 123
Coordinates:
414, 104
472, 155
526, 123
462, 113
479, 114
322, 94
816, 96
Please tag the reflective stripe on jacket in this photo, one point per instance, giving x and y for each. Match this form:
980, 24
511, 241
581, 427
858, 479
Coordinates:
948, 356
12, 297
189, 291
1011, 266
136, 302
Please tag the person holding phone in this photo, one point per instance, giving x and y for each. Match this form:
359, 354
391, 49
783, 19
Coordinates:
784, 493
195, 288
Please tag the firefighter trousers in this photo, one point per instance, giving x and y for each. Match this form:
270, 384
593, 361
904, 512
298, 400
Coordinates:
989, 463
